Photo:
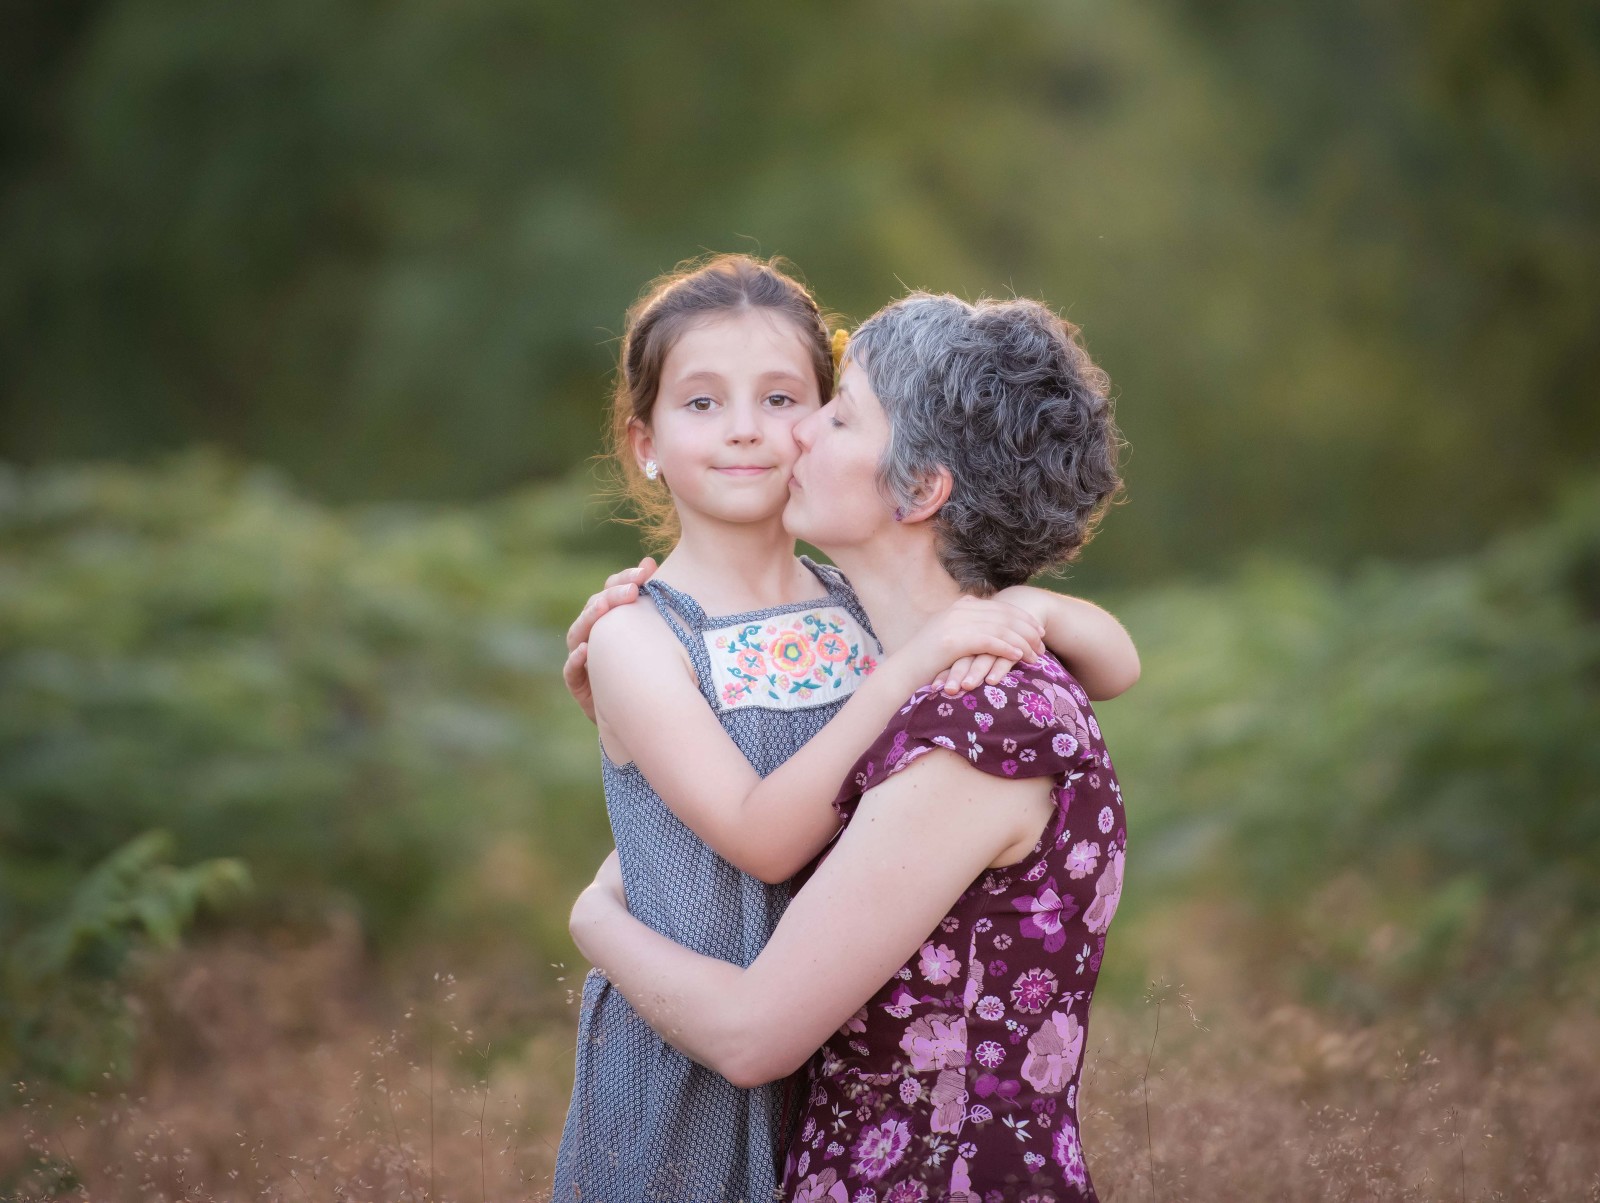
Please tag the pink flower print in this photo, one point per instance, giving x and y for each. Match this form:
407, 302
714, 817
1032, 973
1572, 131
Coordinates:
944, 741
945, 709
984, 721
1047, 912
910, 1090
900, 1003
936, 1042
1033, 1161
1077, 694
970, 702
1063, 745
1067, 1149
990, 1054
1035, 873
1107, 819
733, 691
856, 1023
982, 924
804, 1164
995, 697
1008, 745
879, 1149
833, 1150
809, 1130
949, 1099
1107, 893
1053, 1053
1082, 859
949, 923
939, 964
1033, 990
865, 1195
822, 1188
1003, 941
832, 647
1008, 767
991, 1008
1027, 755
1037, 707
751, 661
907, 1192
1094, 727
960, 1179
996, 967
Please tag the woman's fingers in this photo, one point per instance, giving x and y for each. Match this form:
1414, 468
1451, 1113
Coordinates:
575, 674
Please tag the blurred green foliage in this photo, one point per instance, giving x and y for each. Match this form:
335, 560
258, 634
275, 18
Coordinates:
1391, 775
1342, 259
1397, 772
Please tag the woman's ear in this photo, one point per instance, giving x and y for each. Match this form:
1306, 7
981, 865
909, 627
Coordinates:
932, 493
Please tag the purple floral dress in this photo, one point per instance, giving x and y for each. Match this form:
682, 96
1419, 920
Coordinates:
958, 1081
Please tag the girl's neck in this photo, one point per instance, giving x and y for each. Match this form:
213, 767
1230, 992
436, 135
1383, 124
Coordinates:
731, 568
900, 582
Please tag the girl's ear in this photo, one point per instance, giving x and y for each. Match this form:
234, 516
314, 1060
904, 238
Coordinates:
932, 493
642, 442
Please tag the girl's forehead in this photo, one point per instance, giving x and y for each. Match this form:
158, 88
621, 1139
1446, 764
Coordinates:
761, 338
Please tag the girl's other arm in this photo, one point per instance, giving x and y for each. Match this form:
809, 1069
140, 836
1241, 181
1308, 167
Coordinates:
1093, 645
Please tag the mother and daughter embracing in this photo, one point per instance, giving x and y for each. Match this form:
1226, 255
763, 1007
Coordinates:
868, 836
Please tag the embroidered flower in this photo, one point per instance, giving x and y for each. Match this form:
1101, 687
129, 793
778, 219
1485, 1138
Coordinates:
832, 647
1053, 1053
879, 1149
1033, 990
751, 661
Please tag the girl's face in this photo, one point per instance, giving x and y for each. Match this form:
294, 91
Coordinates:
722, 430
834, 500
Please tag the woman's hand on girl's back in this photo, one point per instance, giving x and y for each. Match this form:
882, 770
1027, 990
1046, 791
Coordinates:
979, 636
620, 589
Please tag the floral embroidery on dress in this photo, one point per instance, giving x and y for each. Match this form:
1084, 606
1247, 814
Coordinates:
797, 660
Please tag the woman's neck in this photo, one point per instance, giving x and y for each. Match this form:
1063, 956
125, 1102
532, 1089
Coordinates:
901, 585
733, 567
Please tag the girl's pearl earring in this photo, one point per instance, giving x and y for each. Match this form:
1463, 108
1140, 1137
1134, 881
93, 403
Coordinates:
650, 469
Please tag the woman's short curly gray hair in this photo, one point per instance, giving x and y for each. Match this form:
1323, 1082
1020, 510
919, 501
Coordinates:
1001, 394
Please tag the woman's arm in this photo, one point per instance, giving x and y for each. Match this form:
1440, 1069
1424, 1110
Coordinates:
918, 841
1093, 645
650, 711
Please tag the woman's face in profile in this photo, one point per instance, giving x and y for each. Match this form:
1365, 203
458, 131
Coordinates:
834, 499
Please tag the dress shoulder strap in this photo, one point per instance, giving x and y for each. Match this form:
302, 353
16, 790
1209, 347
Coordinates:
842, 591
687, 620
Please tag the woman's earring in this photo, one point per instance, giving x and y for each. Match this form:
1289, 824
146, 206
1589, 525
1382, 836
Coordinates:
899, 514
650, 469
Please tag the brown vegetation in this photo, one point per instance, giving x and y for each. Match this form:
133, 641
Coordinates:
278, 1071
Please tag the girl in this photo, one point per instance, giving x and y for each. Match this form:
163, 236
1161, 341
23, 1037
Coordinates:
705, 699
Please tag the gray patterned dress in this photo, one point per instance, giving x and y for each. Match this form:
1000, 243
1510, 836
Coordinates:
645, 1122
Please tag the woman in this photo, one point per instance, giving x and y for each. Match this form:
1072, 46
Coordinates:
943, 953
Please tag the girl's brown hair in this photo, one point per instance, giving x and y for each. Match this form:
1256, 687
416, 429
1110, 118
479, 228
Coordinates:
695, 290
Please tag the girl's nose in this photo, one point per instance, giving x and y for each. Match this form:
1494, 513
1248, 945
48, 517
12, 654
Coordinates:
744, 424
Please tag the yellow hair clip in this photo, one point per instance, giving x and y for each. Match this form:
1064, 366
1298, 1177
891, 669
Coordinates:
841, 339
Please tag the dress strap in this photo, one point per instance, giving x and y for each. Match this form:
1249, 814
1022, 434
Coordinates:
838, 585
687, 620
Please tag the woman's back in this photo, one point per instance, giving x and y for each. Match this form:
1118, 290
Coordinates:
646, 1122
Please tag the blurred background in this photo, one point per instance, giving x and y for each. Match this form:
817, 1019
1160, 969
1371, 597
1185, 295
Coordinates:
307, 318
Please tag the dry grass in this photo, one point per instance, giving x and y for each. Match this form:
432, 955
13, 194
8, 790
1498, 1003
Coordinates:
290, 1073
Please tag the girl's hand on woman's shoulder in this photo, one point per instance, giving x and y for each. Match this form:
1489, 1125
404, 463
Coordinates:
620, 589
982, 637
